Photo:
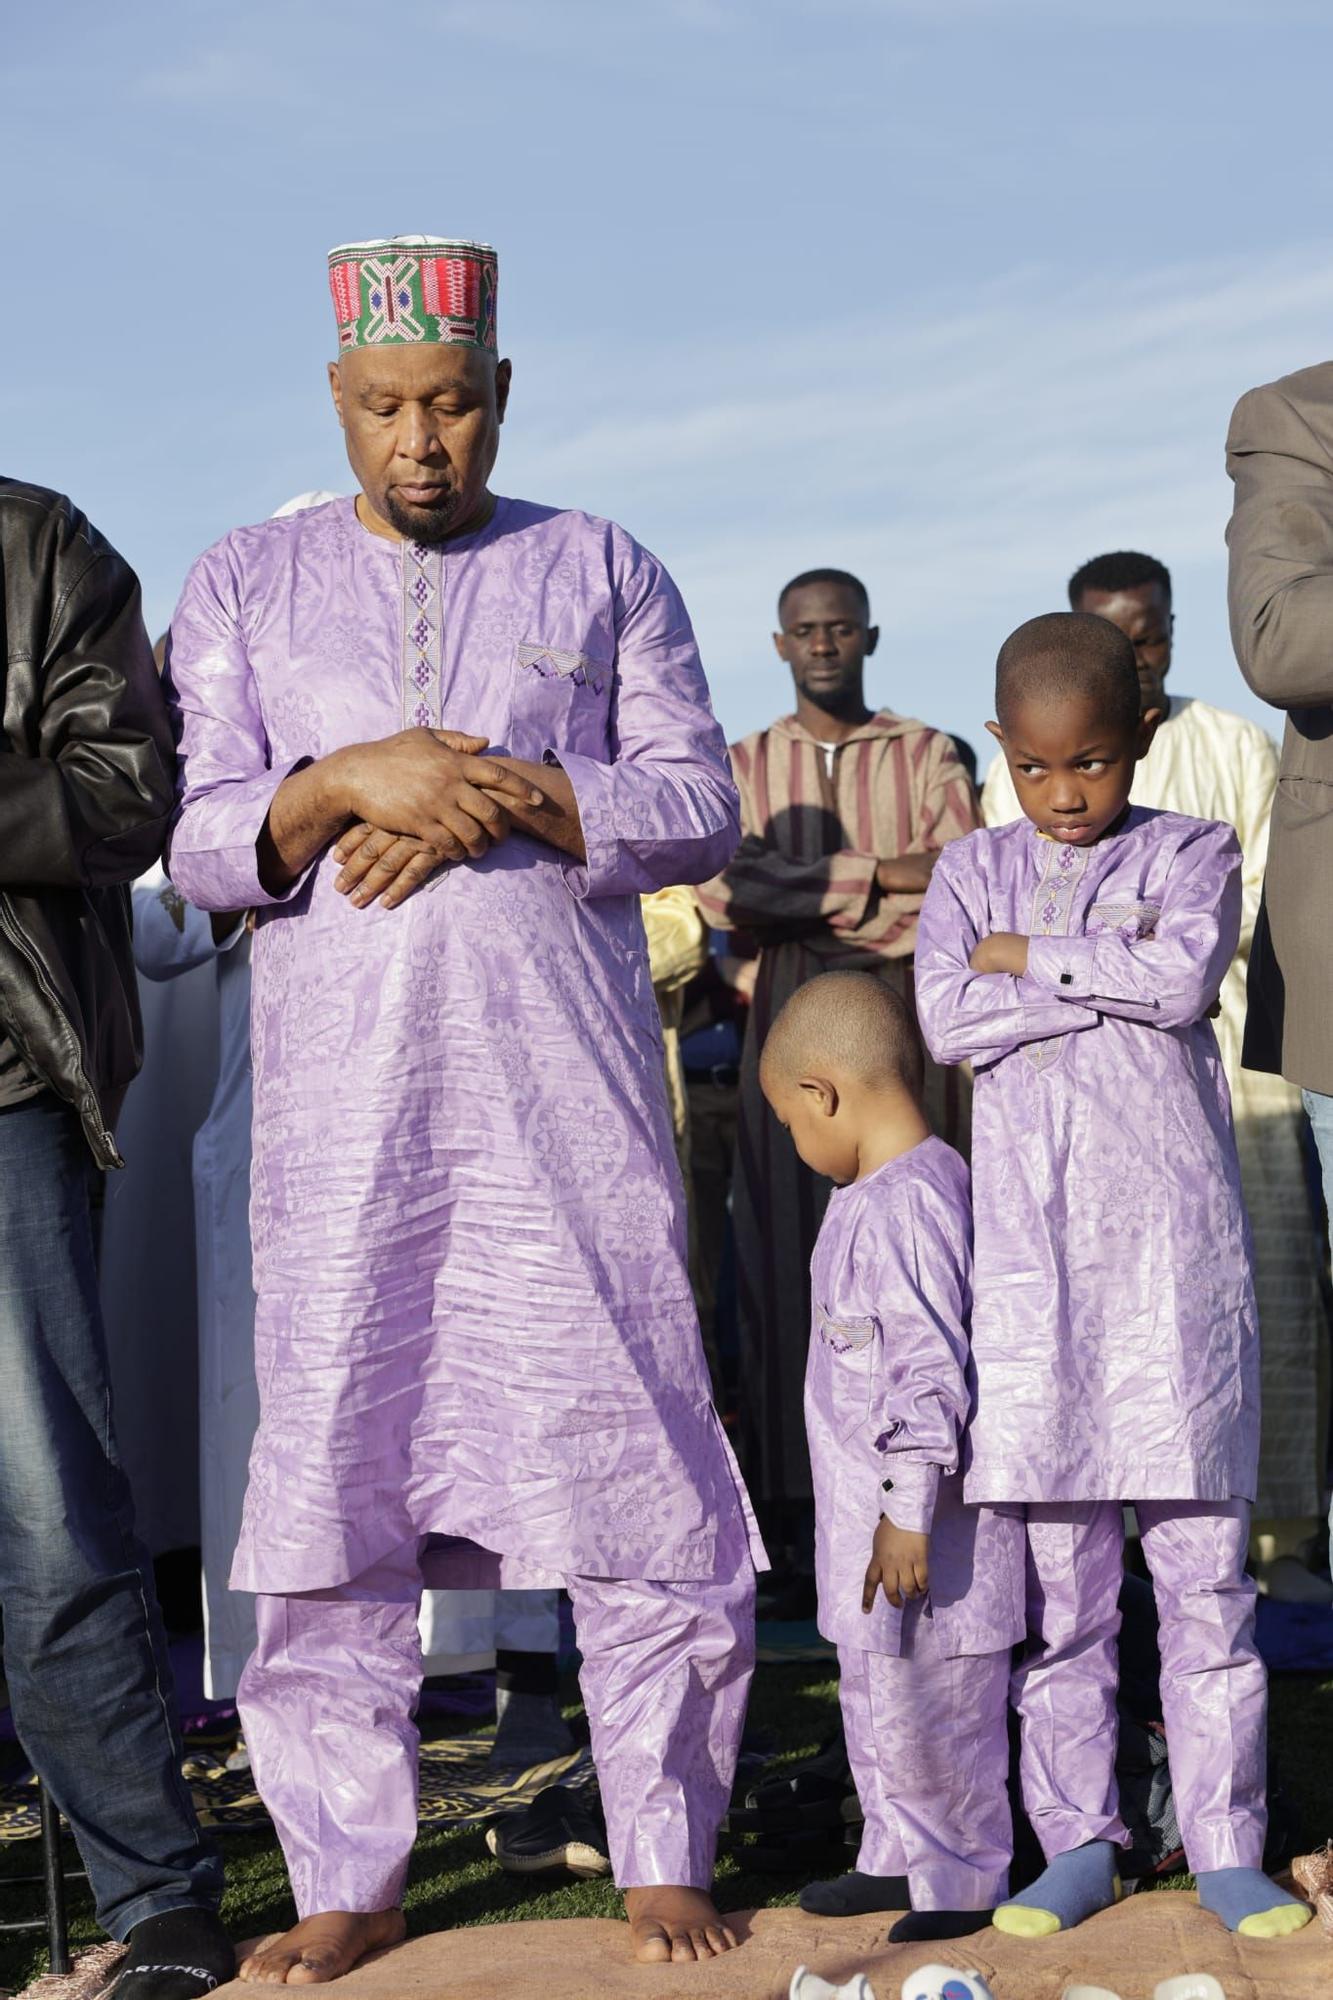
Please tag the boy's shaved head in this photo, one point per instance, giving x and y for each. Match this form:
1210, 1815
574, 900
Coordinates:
1068, 655
851, 1023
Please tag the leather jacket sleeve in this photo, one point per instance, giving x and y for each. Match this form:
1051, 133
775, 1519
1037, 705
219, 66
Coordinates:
89, 803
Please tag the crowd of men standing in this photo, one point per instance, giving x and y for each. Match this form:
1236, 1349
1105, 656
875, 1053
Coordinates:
845, 804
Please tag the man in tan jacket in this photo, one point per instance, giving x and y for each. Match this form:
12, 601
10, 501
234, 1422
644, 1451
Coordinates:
1280, 455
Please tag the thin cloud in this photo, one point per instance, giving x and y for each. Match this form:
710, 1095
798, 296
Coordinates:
964, 461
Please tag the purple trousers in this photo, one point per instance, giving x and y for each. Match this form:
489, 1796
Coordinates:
328, 1697
1214, 1689
928, 1743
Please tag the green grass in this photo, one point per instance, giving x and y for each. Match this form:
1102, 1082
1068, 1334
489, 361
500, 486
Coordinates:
454, 1882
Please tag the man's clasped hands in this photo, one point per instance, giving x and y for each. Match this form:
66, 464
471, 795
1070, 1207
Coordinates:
427, 798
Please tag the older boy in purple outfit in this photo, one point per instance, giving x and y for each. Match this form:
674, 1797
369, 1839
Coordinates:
924, 1631
1074, 958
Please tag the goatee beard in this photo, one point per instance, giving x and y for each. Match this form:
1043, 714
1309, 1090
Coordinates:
427, 525
841, 703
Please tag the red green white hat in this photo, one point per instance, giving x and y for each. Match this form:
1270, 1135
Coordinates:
404, 290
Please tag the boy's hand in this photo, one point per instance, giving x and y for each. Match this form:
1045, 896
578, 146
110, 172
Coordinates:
898, 1565
1004, 952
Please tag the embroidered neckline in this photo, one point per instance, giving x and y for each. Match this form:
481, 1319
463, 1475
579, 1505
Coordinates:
1054, 894
423, 635
1052, 902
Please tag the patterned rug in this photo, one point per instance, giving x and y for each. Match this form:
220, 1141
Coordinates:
458, 1786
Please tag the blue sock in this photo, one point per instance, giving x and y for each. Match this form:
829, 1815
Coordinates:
1074, 1886
1248, 1902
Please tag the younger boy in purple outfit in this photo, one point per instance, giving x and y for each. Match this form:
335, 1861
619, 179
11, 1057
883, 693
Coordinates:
922, 1596
1074, 958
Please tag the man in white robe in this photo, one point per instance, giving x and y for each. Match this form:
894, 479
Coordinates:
1212, 764
146, 1255
175, 942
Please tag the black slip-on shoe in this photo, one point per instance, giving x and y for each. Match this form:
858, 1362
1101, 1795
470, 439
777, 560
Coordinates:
561, 1831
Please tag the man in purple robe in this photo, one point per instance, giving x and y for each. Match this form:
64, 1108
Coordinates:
441, 742
1074, 957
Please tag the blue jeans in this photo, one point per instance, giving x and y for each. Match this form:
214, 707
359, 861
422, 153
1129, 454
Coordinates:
85, 1653
1319, 1111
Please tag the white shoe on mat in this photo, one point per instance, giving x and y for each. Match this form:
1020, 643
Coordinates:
807, 1985
944, 1982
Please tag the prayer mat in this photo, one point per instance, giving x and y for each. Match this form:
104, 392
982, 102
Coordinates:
1126, 1950
458, 1788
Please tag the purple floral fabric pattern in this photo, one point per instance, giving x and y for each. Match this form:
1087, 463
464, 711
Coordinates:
887, 1397
474, 1315
1114, 1333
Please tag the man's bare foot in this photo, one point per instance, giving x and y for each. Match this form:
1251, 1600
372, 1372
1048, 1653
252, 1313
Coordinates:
322, 1948
681, 1925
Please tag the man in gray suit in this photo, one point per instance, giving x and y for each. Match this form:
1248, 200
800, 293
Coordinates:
1280, 455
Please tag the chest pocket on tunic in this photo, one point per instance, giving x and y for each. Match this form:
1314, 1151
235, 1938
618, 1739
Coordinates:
1132, 921
559, 701
848, 1358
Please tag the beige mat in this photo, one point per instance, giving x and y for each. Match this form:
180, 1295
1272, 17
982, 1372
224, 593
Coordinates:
1127, 1949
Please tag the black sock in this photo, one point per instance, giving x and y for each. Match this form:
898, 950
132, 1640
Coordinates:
526, 1673
183, 1955
855, 1895
924, 1926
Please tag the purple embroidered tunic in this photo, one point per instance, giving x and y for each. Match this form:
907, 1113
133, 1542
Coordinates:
474, 1318
886, 1400
1113, 1332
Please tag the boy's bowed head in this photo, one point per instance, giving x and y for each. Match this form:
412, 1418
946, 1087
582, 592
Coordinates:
843, 1070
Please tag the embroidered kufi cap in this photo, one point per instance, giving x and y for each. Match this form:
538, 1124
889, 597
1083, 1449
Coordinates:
404, 290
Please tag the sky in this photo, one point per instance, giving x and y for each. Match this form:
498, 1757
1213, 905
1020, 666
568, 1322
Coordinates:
952, 295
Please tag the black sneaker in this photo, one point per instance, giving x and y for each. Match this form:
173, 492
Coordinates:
818, 1793
562, 1831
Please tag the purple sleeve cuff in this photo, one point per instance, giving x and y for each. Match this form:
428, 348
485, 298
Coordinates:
591, 796
212, 854
1061, 966
640, 832
908, 1492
